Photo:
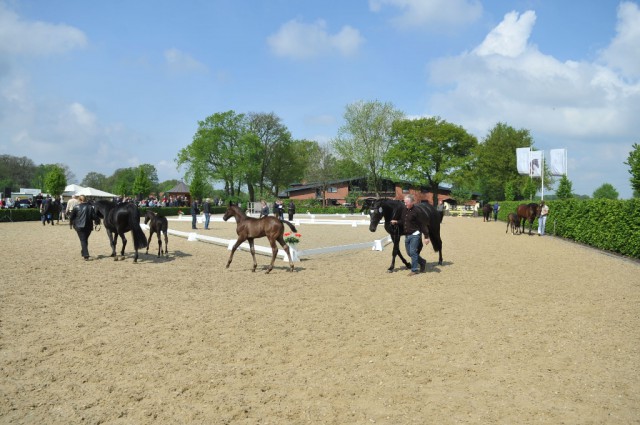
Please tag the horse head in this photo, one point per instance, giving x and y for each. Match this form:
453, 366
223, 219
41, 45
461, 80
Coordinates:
376, 212
232, 211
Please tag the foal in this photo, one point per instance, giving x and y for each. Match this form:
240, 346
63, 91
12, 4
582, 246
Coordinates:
158, 225
249, 228
513, 222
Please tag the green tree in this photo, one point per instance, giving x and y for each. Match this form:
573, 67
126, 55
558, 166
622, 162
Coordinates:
633, 161
565, 188
429, 151
510, 191
95, 180
529, 188
224, 150
496, 162
198, 186
142, 184
323, 169
55, 181
121, 182
606, 191
274, 154
167, 185
16, 172
366, 137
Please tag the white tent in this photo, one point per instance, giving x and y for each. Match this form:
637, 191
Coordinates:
71, 190
89, 191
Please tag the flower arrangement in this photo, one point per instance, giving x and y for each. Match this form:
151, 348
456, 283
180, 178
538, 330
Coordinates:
180, 212
291, 238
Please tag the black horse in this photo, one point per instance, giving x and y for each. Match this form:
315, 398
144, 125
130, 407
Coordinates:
119, 219
487, 209
390, 209
527, 212
157, 224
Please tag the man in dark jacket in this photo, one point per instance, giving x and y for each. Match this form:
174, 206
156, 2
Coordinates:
195, 210
206, 208
82, 218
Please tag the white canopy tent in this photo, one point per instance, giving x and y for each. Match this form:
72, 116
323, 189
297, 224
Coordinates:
74, 189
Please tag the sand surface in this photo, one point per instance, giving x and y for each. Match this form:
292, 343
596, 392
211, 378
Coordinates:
509, 330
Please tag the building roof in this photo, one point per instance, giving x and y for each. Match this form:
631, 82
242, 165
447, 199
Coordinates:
180, 188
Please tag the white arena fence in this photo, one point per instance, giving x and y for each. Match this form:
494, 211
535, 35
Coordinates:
320, 219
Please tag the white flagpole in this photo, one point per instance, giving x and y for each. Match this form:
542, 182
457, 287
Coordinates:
542, 179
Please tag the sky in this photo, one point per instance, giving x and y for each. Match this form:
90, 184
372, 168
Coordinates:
105, 85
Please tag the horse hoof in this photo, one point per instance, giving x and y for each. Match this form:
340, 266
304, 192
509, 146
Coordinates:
389, 270
115, 258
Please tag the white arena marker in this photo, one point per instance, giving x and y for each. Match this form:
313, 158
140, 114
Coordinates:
377, 245
354, 224
192, 237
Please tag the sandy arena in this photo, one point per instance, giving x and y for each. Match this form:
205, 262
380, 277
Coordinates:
509, 330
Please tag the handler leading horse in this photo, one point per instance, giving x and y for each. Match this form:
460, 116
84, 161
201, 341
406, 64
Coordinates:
249, 228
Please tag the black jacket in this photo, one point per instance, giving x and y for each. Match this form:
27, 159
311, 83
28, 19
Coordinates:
82, 217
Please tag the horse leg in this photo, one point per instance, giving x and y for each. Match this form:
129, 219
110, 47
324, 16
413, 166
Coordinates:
274, 253
124, 244
166, 243
284, 246
113, 240
149, 241
159, 244
252, 248
233, 250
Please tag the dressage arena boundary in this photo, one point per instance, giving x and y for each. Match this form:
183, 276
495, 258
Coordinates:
375, 245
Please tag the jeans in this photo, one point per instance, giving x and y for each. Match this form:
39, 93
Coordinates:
193, 221
207, 216
542, 223
412, 244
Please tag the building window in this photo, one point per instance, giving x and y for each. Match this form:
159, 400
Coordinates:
332, 189
405, 189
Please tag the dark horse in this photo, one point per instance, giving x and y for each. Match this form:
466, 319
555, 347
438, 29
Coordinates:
119, 219
486, 212
513, 222
527, 212
159, 224
249, 228
390, 209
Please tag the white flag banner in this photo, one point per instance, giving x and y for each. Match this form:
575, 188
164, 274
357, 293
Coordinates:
558, 162
535, 163
522, 160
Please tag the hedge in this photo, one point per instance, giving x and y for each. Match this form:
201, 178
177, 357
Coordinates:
612, 225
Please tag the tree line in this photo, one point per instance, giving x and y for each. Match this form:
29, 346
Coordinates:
253, 156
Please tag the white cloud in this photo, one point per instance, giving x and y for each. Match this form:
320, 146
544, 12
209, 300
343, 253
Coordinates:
624, 51
299, 40
510, 37
179, 61
431, 13
590, 108
36, 38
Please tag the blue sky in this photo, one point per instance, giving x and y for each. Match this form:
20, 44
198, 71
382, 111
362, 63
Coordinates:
105, 85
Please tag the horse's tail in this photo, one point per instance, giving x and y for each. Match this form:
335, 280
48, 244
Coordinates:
291, 226
139, 238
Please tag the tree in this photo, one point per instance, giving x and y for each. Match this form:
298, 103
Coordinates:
141, 185
121, 182
366, 137
198, 186
323, 169
633, 161
55, 181
95, 180
223, 150
274, 140
429, 151
496, 162
606, 191
16, 172
564, 190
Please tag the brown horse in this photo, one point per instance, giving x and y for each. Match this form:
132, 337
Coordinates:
527, 212
486, 212
249, 228
513, 222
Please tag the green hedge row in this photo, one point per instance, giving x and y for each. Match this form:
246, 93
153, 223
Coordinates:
613, 225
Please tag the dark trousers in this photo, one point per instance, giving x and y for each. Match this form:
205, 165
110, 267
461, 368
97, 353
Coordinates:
290, 216
84, 241
194, 219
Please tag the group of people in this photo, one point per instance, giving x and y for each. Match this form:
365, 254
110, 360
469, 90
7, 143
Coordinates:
278, 209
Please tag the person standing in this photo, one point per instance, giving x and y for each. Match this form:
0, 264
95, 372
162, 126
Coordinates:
496, 208
264, 209
291, 210
542, 220
82, 218
46, 210
206, 208
412, 239
195, 210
